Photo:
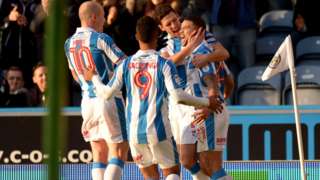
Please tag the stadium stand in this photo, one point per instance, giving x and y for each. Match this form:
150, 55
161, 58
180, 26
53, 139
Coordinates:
266, 48
276, 21
308, 86
308, 51
253, 91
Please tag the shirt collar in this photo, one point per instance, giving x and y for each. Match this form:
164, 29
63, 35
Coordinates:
149, 51
84, 29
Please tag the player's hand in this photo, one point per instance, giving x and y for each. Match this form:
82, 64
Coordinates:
88, 73
215, 104
196, 38
201, 115
199, 60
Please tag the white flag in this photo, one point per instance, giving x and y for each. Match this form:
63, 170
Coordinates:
281, 61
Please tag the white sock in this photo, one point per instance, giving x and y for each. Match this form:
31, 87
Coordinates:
114, 169
173, 177
97, 170
200, 176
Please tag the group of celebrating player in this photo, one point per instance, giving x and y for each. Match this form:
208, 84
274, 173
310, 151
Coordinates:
174, 111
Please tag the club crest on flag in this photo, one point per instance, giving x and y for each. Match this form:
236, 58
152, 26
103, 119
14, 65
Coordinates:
275, 62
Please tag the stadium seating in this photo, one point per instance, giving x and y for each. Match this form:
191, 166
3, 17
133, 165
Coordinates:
308, 86
253, 91
266, 47
308, 51
276, 21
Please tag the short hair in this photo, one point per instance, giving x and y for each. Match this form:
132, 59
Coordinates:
14, 68
147, 29
39, 64
162, 10
196, 20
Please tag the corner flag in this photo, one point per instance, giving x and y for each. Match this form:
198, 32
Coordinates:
281, 61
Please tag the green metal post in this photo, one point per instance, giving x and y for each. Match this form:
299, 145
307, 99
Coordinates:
54, 125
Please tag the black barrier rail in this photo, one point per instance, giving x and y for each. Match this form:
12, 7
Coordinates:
255, 133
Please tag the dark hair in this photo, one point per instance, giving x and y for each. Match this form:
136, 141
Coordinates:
196, 20
39, 64
147, 29
14, 68
162, 10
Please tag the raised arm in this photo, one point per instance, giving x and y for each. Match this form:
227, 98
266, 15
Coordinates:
219, 53
193, 42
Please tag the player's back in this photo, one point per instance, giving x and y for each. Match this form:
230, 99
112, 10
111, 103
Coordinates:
88, 48
143, 74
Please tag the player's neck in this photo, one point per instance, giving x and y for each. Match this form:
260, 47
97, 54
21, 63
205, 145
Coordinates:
147, 46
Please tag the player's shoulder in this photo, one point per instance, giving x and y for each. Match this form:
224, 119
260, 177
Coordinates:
102, 36
209, 37
67, 43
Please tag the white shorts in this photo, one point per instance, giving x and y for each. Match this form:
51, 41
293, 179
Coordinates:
210, 135
103, 120
164, 153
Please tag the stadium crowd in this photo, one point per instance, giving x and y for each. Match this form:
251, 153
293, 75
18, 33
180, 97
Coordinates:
235, 23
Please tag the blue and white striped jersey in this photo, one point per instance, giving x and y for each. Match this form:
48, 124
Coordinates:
195, 82
88, 48
174, 46
148, 79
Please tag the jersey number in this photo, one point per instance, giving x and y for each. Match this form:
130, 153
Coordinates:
78, 54
143, 80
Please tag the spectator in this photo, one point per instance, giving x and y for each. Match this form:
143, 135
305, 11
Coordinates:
150, 6
121, 25
37, 27
200, 8
37, 94
234, 25
15, 94
269, 5
17, 39
306, 18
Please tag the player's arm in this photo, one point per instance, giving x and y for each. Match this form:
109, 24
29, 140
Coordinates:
209, 78
113, 52
74, 75
193, 42
228, 82
229, 86
180, 96
105, 91
219, 53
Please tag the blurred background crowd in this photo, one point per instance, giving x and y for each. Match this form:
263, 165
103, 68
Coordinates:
251, 30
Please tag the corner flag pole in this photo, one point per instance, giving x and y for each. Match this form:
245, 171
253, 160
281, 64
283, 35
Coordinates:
54, 126
297, 115
281, 61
